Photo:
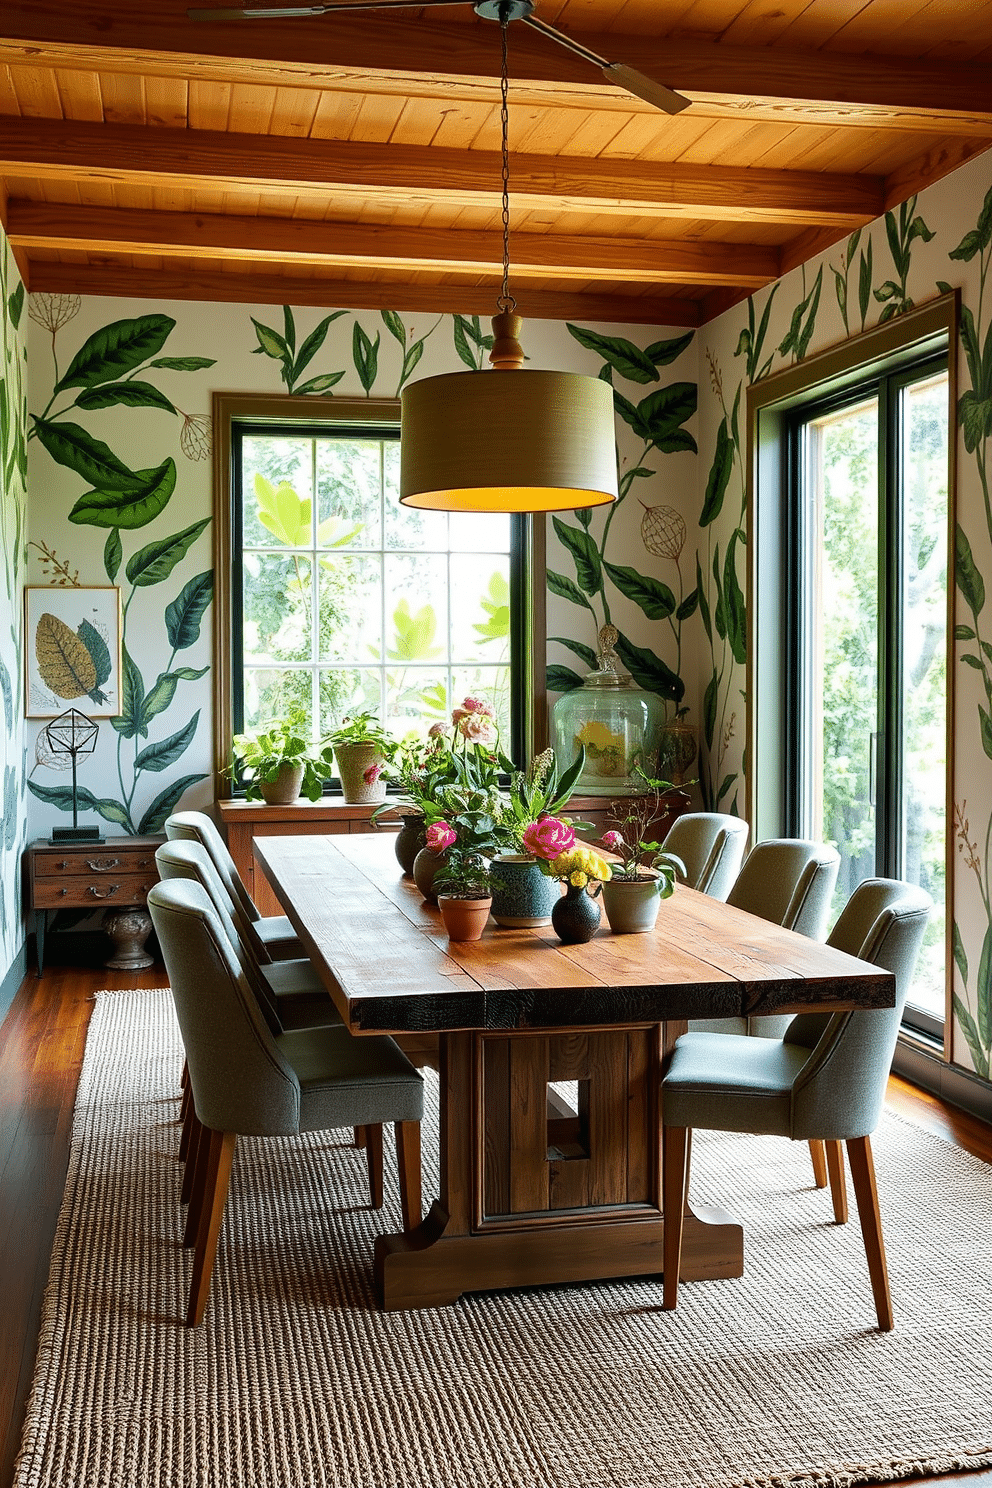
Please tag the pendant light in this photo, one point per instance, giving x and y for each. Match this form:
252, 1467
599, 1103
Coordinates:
514, 439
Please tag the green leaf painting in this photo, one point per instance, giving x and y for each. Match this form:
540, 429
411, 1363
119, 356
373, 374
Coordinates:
155, 562
130, 509
116, 349
184, 615
125, 395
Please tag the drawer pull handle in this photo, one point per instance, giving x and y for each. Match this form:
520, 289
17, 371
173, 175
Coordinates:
105, 893
103, 865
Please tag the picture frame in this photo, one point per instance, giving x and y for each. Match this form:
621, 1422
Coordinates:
72, 651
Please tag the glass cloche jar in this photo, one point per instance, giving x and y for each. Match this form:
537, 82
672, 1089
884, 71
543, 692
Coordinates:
619, 724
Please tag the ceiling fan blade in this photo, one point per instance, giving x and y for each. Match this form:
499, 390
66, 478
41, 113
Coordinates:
616, 72
282, 12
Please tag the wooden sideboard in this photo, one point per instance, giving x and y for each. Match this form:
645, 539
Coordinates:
243, 821
113, 874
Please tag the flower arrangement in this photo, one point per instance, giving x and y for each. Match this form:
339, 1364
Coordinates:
538, 793
261, 755
641, 859
573, 865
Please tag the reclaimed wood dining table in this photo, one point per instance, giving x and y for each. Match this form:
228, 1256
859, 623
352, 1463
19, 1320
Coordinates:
536, 1187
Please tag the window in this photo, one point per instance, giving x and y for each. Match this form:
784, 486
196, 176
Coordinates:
340, 599
860, 615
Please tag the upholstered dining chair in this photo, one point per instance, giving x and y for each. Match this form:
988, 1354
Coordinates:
273, 935
711, 845
824, 1081
247, 1081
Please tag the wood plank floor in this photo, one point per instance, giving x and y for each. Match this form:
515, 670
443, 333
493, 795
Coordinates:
41, 1051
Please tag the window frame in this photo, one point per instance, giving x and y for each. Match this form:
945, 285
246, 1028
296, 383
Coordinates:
884, 352
309, 415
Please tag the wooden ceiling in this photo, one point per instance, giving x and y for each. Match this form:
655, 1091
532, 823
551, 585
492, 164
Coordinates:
352, 160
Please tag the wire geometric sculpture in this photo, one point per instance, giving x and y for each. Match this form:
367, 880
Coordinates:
73, 734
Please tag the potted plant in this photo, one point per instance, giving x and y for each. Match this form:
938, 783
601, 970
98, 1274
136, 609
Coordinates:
277, 763
362, 748
464, 894
522, 894
645, 874
417, 771
575, 916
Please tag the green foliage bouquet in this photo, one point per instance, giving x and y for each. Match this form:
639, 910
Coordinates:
539, 792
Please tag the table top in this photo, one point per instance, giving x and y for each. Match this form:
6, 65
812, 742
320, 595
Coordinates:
386, 960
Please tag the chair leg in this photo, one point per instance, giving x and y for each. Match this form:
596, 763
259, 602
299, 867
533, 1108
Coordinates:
189, 1117
373, 1152
866, 1193
219, 1157
675, 1177
192, 1147
838, 1183
198, 1165
408, 1160
819, 1156
359, 1136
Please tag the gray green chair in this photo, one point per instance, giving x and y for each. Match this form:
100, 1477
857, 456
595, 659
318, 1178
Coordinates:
711, 845
824, 1081
273, 936
247, 1081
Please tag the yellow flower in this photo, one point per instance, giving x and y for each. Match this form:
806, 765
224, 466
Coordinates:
578, 879
598, 736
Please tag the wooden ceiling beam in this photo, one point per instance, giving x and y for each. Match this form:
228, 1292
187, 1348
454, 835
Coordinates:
338, 50
203, 235
56, 149
166, 283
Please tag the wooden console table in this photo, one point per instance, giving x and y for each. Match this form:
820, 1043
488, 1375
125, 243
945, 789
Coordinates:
245, 821
114, 874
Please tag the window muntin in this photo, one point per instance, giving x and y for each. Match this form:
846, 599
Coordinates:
343, 599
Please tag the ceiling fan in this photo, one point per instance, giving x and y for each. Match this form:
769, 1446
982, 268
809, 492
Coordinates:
502, 11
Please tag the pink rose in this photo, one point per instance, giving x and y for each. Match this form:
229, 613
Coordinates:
477, 705
477, 728
458, 714
613, 841
440, 836
371, 775
548, 838
436, 731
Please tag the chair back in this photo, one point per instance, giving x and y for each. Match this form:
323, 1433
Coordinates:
840, 1090
790, 881
196, 826
241, 1080
185, 858
711, 845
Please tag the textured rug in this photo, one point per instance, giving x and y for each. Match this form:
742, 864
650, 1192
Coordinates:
295, 1380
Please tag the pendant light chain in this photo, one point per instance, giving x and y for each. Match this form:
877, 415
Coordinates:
506, 302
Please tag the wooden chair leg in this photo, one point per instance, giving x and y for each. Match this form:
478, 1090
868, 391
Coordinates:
219, 1157
838, 1183
819, 1156
189, 1116
184, 1077
373, 1152
675, 1177
189, 1172
184, 1104
866, 1193
197, 1193
359, 1136
408, 1160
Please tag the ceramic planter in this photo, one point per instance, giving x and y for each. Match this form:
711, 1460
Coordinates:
409, 840
464, 919
631, 905
353, 760
575, 916
522, 895
285, 788
426, 866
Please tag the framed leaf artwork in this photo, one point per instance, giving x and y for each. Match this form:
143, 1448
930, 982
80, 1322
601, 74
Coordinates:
73, 651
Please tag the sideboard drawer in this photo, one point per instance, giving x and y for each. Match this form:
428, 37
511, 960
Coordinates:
95, 863
102, 891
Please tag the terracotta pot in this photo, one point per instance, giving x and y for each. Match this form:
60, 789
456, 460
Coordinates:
285, 788
522, 895
353, 760
409, 840
426, 866
464, 919
631, 905
575, 916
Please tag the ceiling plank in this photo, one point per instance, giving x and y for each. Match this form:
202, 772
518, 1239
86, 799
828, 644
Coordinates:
276, 289
326, 51
53, 149
33, 225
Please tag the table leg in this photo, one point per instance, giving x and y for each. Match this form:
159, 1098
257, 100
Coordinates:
40, 926
500, 1221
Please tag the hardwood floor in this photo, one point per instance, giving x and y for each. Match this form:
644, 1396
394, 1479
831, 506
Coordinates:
41, 1050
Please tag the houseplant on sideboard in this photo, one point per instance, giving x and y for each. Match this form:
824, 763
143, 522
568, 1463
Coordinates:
277, 763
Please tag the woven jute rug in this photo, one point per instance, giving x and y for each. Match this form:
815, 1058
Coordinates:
295, 1380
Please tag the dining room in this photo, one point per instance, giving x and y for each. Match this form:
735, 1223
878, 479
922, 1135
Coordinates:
725, 527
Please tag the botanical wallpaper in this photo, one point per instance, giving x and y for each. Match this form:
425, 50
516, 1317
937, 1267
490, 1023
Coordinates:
940, 240
13, 511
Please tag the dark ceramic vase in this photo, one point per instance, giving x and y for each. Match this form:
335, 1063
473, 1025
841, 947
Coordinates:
426, 866
410, 838
575, 917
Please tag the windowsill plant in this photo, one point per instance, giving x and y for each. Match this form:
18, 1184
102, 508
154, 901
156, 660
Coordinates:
362, 749
277, 763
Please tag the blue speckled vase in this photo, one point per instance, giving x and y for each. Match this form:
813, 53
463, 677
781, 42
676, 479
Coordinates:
522, 896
